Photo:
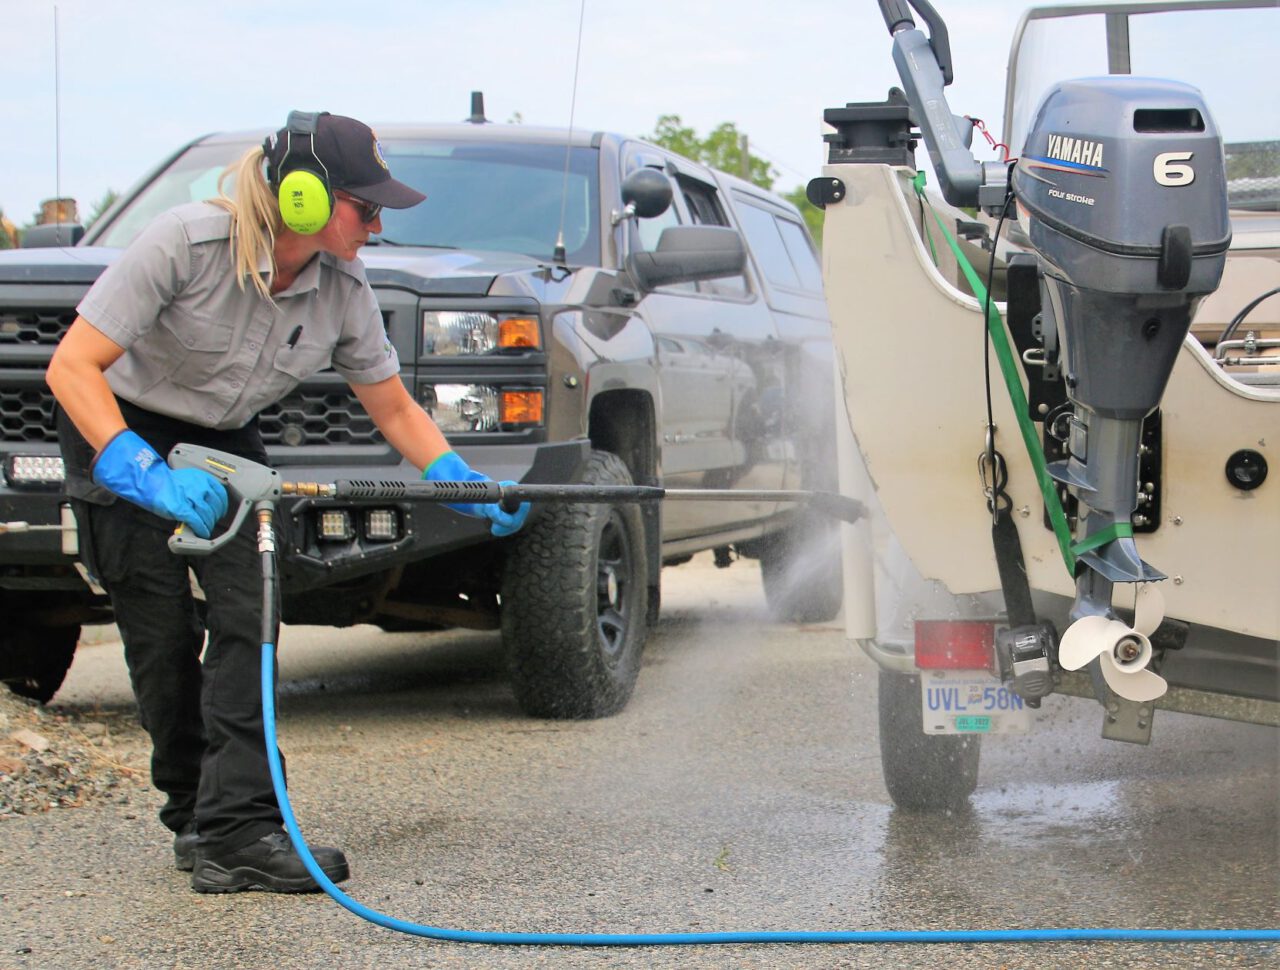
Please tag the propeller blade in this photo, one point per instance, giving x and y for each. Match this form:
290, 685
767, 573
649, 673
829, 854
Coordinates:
1134, 685
1086, 638
1148, 609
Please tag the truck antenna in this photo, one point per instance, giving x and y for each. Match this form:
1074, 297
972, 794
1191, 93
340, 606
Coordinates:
57, 129
559, 255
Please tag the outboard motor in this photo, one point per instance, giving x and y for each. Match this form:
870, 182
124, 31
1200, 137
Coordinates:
1123, 183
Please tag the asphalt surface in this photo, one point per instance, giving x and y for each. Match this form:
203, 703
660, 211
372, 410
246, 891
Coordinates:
740, 790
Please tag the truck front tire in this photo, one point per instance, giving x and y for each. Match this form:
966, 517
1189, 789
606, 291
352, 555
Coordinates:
574, 603
34, 660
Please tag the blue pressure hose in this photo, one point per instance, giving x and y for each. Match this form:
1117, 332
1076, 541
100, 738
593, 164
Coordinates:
682, 939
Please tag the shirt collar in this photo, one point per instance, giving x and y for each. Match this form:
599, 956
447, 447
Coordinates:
307, 280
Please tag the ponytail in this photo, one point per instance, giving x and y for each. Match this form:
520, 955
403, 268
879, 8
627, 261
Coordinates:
255, 219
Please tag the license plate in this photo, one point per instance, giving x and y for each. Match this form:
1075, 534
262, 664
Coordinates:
969, 702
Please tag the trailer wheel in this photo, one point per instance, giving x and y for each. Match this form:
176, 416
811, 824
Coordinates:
34, 660
801, 571
925, 772
574, 603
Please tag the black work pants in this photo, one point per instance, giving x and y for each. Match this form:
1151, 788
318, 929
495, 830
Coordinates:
205, 719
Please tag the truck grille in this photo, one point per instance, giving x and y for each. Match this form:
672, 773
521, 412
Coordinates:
303, 418
27, 415
35, 326
318, 418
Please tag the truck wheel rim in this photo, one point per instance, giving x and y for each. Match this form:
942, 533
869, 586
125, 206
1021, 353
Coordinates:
613, 583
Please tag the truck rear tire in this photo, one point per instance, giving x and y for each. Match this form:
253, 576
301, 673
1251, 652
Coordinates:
923, 772
34, 660
574, 603
801, 571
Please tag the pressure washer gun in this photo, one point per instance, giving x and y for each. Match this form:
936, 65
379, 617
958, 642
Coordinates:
1123, 186
253, 486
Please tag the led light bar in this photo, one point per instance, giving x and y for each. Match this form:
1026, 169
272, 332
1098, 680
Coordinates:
34, 470
382, 525
335, 525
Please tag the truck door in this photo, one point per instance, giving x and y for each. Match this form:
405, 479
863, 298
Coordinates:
710, 338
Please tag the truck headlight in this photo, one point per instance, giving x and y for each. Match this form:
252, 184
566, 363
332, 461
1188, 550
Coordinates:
463, 408
470, 333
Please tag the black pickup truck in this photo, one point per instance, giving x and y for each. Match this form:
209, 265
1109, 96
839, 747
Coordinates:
569, 307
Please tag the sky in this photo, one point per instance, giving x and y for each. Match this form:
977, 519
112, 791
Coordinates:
137, 79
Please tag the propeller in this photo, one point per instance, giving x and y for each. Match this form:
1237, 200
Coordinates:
1123, 651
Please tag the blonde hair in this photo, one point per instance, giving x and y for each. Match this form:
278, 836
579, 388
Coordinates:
255, 219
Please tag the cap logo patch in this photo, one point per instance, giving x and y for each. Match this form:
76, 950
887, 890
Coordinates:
377, 153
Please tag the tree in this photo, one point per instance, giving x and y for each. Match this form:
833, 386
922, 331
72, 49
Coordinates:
101, 206
723, 149
8, 233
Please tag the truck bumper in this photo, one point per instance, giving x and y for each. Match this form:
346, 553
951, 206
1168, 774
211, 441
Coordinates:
26, 556
424, 529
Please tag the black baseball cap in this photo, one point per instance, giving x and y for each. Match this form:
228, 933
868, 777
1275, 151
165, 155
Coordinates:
349, 152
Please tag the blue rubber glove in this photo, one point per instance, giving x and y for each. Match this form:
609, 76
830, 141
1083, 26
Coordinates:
135, 471
450, 468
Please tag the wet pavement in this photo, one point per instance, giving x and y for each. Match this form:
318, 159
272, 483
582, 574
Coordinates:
740, 790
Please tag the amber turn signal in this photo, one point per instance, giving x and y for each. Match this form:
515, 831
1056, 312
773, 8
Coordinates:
519, 333
521, 407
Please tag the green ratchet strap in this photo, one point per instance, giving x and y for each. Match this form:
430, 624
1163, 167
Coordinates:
1013, 382
1117, 530
918, 182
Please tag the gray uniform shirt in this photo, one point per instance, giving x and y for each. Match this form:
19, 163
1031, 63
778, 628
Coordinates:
199, 348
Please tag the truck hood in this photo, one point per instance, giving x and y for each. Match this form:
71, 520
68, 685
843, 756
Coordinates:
442, 272
57, 264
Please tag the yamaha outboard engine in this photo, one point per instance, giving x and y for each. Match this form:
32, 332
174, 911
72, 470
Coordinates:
1122, 180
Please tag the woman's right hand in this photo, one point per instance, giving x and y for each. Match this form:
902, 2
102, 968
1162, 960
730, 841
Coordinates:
132, 469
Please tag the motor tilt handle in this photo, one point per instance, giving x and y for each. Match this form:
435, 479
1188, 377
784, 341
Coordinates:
511, 495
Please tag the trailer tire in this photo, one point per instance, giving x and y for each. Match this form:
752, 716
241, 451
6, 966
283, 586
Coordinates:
34, 660
923, 772
801, 571
575, 603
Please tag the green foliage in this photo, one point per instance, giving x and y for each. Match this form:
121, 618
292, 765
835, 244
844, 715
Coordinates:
722, 149
812, 214
101, 206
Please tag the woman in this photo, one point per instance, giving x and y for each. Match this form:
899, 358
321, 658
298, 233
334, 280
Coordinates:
217, 310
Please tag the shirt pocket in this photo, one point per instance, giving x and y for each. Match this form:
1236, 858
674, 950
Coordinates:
293, 365
196, 348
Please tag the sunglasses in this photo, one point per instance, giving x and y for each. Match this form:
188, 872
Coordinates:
369, 211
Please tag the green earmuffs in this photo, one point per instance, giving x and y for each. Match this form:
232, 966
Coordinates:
303, 190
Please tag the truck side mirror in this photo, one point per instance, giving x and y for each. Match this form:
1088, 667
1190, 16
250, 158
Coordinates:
688, 253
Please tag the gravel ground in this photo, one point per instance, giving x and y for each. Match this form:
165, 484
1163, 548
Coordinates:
53, 758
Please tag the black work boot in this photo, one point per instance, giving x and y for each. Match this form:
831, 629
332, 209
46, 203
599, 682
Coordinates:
184, 847
270, 864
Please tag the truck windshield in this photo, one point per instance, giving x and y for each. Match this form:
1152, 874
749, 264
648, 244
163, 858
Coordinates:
500, 196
